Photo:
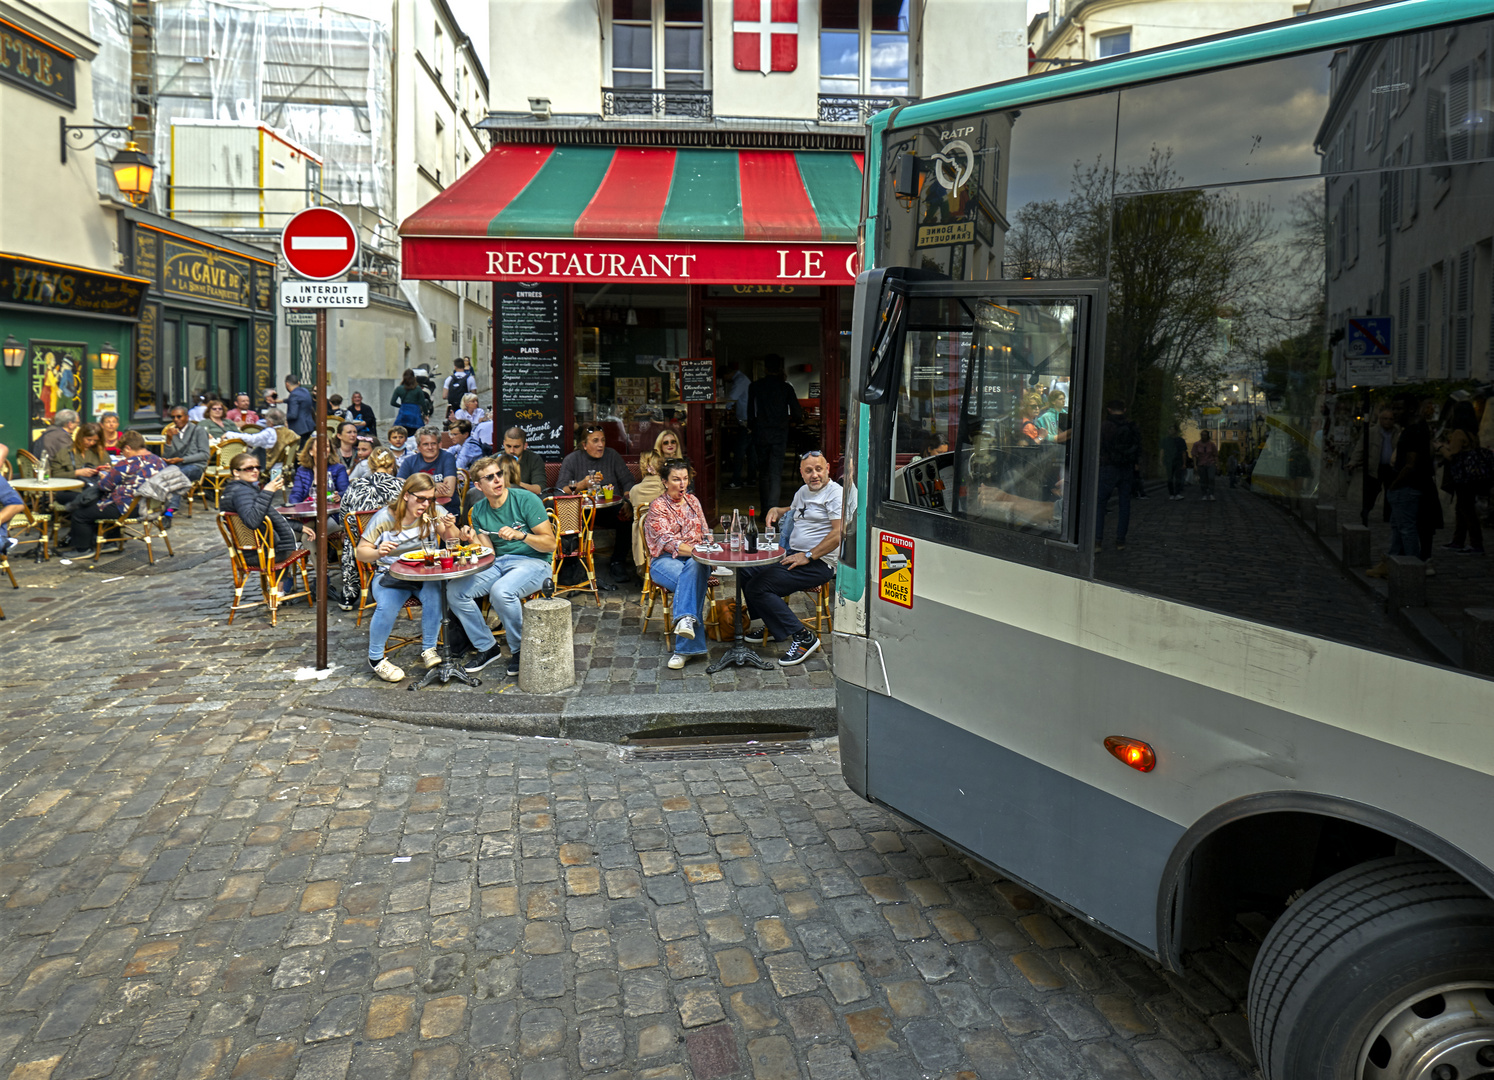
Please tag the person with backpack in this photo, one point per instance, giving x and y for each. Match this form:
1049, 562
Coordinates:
413, 403
1120, 450
458, 385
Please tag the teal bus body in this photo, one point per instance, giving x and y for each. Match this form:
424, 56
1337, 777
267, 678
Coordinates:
1303, 705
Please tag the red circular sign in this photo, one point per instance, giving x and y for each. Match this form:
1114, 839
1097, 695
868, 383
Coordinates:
319, 243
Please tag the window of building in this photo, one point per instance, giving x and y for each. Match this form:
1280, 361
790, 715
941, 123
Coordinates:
628, 341
658, 44
1117, 43
864, 47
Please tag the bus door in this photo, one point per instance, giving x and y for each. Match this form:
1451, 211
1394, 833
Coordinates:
973, 475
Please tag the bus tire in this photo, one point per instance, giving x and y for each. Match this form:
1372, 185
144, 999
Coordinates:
1384, 964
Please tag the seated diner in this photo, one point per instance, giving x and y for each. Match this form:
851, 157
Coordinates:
675, 524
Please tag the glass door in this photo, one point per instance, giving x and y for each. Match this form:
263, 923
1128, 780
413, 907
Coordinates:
200, 355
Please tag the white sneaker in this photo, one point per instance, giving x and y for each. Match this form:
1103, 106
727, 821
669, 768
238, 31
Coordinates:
684, 627
386, 670
676, 662
430, 658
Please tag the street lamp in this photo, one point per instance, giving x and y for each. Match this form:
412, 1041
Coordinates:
15, 352
133, 169
108, 356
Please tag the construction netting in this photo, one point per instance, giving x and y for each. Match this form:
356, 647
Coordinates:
321, 74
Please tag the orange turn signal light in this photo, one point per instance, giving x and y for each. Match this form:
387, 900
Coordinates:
1133, 752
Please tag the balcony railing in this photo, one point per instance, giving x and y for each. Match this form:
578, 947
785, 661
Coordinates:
641, 103
853, 108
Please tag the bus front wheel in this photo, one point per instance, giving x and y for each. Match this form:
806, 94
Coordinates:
1382, 972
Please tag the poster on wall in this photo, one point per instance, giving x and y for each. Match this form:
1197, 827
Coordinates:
56, 380
532, 374
105, 401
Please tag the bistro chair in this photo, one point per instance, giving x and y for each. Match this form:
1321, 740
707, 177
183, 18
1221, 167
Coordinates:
572, 515
27, 464
250, 552
355, 523
216, 476
463, 482
653, 593
141, 520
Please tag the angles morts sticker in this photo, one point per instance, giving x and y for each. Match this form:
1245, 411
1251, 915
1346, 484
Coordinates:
895, 569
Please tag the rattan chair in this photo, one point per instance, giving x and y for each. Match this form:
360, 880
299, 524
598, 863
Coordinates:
250, 552
141, 521
355, 523
216, 476
572, 516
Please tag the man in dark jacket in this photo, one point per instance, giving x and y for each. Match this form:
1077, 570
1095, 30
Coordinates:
1120, 450
57, 440
772, 406
300, 410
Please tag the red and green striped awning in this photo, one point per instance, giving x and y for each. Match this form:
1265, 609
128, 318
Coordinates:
540, 210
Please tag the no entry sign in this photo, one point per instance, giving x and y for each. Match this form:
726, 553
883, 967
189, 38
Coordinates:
319, 243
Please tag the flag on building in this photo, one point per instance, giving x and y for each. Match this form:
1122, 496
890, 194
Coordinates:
765, 35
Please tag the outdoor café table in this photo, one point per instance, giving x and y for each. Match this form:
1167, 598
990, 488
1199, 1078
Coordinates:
739, 653
38, 492
448, 668
304, 510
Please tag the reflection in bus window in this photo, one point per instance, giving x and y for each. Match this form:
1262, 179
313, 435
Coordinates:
983, 428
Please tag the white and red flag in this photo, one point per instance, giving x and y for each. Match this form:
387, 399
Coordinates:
765, 35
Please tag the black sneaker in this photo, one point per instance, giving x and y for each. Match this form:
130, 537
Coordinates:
799, 650
484, 658
513, 665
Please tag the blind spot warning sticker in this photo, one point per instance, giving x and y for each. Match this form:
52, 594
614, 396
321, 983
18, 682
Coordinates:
895, 569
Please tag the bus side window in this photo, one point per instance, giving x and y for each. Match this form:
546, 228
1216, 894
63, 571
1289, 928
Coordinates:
983, 428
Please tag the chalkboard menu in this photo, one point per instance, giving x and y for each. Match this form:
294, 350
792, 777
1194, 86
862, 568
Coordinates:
698, 381
530, 349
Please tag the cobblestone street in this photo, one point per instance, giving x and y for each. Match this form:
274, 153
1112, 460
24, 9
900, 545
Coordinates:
207, 872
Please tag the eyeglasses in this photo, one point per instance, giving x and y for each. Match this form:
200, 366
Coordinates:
810, 454
249, 468
423, 498
485, 477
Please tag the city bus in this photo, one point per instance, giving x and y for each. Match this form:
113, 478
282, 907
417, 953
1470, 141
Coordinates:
1119, 612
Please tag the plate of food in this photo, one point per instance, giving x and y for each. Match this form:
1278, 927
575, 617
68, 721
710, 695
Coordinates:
418, 557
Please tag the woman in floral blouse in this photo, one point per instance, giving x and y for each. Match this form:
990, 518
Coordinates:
675, 525
370, 492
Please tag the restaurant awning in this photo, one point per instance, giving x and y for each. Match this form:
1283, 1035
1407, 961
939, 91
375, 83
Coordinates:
593, 213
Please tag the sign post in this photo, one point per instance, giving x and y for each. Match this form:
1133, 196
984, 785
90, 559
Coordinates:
320, 244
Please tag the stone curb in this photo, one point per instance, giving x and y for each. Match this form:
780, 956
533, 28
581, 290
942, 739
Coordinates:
599, 719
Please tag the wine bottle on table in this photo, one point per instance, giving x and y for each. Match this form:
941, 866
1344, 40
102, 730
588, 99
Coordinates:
752, 529
736, 531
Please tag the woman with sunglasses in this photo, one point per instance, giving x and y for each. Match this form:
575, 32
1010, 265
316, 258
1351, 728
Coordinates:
216, 422
412, 515
242, 495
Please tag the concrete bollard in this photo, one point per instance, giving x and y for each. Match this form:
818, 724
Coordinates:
1408, 582
1327, 517
1478, 641
547, 662
1356, 540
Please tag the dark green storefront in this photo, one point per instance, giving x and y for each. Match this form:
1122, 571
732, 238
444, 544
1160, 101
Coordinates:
64, 324
208, 324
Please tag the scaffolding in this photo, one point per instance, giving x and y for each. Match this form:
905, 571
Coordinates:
319, 74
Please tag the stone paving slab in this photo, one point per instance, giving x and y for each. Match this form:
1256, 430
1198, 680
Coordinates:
206, 874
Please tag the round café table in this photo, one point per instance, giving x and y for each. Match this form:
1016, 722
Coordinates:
448, 668
737, 561
306, 509
38, 492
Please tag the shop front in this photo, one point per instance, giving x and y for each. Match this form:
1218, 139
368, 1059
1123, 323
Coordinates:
67, 332
632, 282
208, 325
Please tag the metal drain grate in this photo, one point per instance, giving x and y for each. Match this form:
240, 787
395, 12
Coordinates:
684, 748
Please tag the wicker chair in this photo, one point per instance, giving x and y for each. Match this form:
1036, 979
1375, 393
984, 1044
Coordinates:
217, 475
141, 520
572, 516
250, 551
355, 523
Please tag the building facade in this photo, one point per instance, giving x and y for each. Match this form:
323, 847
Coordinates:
1075, 31
67, 308
673, 197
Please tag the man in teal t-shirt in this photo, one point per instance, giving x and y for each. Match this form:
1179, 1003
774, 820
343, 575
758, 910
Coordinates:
512, 522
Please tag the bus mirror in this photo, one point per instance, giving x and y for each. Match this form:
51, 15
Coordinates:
905, 186
881, 374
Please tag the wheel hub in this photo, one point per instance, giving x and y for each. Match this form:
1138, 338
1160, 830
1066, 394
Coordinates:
1444, 1033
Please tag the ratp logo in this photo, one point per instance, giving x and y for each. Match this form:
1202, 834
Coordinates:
956, 157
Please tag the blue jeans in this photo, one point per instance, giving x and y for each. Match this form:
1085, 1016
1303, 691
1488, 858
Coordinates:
1117, 479
686, 578
389, 602
1404, 504
507, 582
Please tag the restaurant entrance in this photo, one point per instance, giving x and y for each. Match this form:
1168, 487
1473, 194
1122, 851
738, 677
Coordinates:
745, 325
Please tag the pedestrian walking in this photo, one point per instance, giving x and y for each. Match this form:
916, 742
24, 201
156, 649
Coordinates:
1206, 461
1174, 460
1373, 454
1120, 450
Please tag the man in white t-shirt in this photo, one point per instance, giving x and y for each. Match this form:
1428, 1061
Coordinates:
813, 540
